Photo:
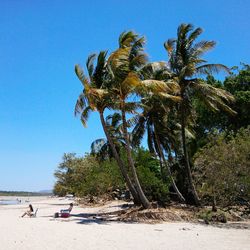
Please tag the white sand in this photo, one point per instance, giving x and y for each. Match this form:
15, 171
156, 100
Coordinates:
45, 232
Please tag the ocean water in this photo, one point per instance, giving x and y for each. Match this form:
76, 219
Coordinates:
9, 202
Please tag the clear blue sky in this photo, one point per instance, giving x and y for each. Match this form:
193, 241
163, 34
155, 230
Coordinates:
42, 40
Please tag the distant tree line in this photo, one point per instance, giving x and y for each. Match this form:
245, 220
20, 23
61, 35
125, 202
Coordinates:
21, 193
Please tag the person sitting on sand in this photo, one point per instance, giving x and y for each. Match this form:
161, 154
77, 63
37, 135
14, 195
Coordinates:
29, 212
64, 213
67, 210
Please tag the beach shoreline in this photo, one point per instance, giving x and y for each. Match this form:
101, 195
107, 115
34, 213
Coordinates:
80, 232
11, 200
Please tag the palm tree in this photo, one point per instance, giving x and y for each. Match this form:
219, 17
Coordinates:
154, 118
95, 98
185, 63
124, 64
160, 138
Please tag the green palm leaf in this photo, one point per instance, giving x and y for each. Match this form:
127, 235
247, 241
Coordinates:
211, 68
85, 115
90, 64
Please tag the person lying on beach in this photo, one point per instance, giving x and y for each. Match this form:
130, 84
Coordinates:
29, 212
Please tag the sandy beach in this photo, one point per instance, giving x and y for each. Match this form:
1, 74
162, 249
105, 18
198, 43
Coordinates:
81, 232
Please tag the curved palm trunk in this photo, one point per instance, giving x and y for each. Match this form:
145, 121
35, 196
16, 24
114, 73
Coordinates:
120, 163
186, 162
143, 198
162, 158
161, 166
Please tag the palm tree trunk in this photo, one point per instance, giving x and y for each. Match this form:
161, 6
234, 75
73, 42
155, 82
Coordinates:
186, 161
163, 176
161, 155
143, 198
120, 163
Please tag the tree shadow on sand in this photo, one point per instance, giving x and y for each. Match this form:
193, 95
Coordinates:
98, 218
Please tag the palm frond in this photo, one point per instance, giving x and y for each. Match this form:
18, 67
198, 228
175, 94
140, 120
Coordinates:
130, 83
182, 40
119, 61
155, 70
138, 61
137, 57
202, 47
194, 35
212, 68
81, 103
138, 131
126, 39
154, 86
183, 30
161, 88
137, 46
85, 115
99, 74
90, 64
214, 98
170, 97
97, 145
114, 119
97, 93
173, 86
80, 74
170, 46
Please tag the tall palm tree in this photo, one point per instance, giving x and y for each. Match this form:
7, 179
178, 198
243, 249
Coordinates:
154, 118
160, 137
124, 64
186, 63
95, 98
